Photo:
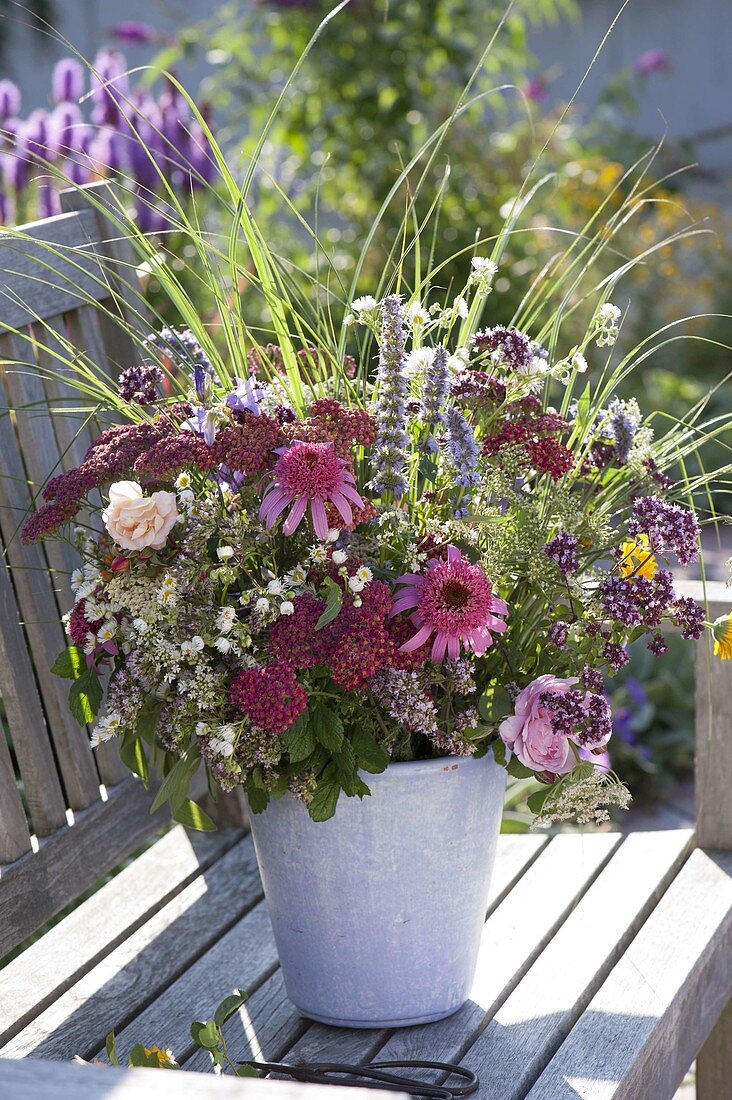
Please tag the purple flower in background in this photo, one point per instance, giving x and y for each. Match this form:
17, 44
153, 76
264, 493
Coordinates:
68, 80
110, 87
507, 347
5, 209
245, 396
9, 98
106, 149
652, 61
536, 89
64, 122
562, 550
78, 166
39, 136
624, 423
130, 30
200, 156
48, 201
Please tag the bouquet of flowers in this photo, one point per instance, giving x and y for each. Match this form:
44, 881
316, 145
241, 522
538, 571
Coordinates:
298, 572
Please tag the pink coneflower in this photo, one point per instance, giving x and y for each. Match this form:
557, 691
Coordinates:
454, 601
309, 473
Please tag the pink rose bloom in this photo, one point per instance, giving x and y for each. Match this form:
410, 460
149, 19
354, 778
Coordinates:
529, 734
135, 521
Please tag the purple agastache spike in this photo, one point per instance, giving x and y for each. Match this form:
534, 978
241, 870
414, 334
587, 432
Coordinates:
463, 451
434, 394
390, 449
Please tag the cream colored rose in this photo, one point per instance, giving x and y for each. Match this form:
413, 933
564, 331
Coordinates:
135, 521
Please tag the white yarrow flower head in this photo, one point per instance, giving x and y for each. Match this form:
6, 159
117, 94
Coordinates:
416, 315
483, 274
356, 584
186, 497
287, 607
225, 553
606, 324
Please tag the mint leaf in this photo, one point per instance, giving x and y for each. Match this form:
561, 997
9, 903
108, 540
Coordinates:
299, 739
327, 727
71, 663
85, 697
190, 814
369, 753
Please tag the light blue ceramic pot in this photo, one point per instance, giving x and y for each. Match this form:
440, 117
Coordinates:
377, 913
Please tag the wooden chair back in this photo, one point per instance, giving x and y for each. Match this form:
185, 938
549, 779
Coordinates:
67, 814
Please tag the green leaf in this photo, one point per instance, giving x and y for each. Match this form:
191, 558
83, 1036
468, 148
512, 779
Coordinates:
229, 1006
327, 727
257, 799
110, 1047
369, 753
132, 754
300, 739
333, 603
174, 787
494, 705
323, 803
147, 721
428, 469
246, 1070
190, 814
209, 1035
71, 664
517, 769
499, 752
85, 697
345, 764
196, 1028
536, 801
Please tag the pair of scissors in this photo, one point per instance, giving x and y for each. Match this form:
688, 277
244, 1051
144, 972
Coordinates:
376, 1076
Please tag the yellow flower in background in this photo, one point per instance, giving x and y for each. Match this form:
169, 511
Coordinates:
636, 558
722, 628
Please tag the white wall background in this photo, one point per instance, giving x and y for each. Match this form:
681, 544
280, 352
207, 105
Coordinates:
697, 34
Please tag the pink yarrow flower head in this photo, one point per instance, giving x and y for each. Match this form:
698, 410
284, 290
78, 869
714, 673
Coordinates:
309, 475
453, 604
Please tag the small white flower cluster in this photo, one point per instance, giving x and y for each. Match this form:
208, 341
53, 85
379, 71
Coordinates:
606, 326
84, 581
280, 588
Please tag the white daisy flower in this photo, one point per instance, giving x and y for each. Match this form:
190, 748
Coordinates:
339, 556
287, 607
225, 553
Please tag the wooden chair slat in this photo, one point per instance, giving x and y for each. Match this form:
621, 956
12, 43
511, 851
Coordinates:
41, 454
641, 1031
52, 964
242, 959
26, 721
37, 886
149, 960
33, 1079
39, 615
14, 833
50, 270
531, 1025
713, 765
266, 1027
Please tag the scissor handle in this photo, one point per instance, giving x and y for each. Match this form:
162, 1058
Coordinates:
374, 1076
449, 1068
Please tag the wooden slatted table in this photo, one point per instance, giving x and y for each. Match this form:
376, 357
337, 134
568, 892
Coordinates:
593, 945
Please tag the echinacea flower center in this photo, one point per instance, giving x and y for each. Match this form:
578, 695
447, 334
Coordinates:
310, 470
456, 597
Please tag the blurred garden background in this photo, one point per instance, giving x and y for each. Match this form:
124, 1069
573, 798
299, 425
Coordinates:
652, 118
